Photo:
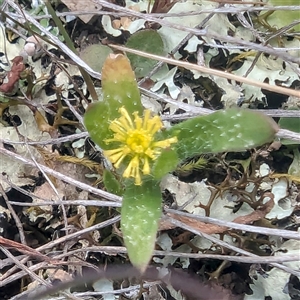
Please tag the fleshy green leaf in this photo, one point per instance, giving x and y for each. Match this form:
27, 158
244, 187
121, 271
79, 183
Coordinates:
166, 162
111, 183
119, 89
226, 130
292, 124
148, 41
141, 211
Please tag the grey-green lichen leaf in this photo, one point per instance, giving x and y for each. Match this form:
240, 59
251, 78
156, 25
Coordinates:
226, 130
95, 55
140, 213
3, 99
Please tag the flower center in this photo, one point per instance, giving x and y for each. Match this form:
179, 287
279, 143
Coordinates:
138, 141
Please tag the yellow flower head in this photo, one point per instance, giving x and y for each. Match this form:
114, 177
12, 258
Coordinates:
136, 137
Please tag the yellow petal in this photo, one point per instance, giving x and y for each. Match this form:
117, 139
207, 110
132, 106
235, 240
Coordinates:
120, 138
126, 116
146, 119
113, 154
116, 156
133, 170
165, 143
137, 121
146, 168
117, 127
151, 153
154, 125
116, 138
138, 180
129, 171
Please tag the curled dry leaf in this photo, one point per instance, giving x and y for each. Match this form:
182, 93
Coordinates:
87, 5
256, 215
13, 76
163, 6
59, 274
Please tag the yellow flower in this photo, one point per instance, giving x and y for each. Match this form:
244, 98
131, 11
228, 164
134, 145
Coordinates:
136, 137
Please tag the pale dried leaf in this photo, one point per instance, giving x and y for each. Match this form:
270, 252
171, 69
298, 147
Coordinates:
87, 5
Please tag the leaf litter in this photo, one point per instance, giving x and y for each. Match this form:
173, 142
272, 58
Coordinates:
228, 187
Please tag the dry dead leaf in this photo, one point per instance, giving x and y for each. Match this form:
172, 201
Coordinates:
59, 275
87, 5
13, 76
117, 67
43, 193
163, 6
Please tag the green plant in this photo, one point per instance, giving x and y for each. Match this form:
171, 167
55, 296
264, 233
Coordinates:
281, 18
142, 151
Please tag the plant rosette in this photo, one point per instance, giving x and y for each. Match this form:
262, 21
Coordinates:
142, 151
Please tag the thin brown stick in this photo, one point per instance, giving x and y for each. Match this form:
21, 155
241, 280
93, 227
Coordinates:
23, 267
6, 278
210, 71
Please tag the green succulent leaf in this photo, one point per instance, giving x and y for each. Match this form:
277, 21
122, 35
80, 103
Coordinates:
292, 124
166, 162
226, 130
96, 123
148, 41
140, 214
111, 183
119, 89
